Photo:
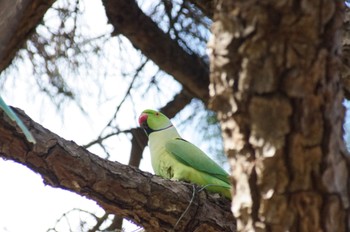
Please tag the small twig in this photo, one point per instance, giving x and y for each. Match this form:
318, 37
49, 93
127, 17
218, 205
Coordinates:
188, 206
138, 70
100, 139
99, 222
208, 185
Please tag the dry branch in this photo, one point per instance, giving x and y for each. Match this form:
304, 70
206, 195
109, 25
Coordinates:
129, 20
150, 201
18, 19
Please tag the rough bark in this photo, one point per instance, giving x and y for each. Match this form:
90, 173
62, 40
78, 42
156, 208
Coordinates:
207, 7
18, 19
129, 20
139, 140
148, 200
21, 18
345, 67
276, 88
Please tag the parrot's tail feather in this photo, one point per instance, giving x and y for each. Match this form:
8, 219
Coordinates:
188, 207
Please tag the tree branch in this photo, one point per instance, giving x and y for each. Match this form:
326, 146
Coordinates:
207, 7
148, 200
129, 20
21, 19
139, 138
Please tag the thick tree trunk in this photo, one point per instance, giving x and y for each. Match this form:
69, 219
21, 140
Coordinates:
275, 86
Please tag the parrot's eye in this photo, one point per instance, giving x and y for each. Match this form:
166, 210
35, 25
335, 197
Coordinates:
157, 114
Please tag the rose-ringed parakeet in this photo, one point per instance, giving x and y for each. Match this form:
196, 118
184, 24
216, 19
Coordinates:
174, 158
9, 112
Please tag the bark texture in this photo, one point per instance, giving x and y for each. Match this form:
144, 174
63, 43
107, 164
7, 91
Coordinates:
276, 88
20, 18
148, 200
207, 7
188, 69
345, 67
17, 20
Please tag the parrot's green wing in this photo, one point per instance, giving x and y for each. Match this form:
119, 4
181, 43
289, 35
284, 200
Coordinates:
192, 156
9, 112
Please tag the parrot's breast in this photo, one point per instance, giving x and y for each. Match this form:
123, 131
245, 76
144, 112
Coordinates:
162, 162
166, 165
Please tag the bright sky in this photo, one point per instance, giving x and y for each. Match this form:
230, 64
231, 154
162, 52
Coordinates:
26, 204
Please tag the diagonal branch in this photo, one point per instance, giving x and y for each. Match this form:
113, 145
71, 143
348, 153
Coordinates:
148, 200
129, 20
18, 20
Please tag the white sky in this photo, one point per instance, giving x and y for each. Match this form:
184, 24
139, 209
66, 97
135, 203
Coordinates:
26, 204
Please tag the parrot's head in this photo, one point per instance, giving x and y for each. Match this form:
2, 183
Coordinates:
151, 120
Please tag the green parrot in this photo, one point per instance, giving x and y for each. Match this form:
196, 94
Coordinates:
9, 112
174, 158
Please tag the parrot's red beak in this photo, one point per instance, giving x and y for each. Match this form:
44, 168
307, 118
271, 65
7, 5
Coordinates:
143, 119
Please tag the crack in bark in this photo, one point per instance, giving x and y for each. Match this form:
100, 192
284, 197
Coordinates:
148, 200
